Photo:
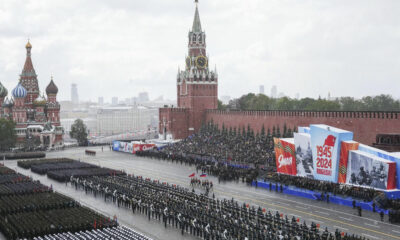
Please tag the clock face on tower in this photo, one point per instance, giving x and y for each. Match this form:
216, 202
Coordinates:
201, 62
188, 62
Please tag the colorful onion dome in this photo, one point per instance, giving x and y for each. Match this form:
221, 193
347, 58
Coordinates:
39, 101
28, 45
51, 88
3, 91
19, 91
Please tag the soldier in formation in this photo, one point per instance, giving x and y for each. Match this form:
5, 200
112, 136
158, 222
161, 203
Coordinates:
199, 215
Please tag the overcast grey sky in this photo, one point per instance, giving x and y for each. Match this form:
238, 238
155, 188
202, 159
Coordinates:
122, 47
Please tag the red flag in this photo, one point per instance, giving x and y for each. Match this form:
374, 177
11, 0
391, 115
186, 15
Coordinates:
94, 225
192, 175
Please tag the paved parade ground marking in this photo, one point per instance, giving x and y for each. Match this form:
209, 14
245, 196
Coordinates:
324, 213
396, 231
301, 207
372, 225
286, 204
347, 219
340, 228
367, 235
313, 220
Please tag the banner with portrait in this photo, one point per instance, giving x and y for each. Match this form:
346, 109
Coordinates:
304, 159
368, 170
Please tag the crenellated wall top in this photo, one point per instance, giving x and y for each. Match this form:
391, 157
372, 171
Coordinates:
314, 114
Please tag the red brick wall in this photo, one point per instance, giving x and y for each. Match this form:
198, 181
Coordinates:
199, 96
364, 125
176, 120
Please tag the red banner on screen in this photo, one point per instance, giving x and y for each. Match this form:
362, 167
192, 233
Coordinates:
285, 157
138, 147
344, 158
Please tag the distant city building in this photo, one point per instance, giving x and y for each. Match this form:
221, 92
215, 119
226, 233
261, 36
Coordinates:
262, 89
100, 101
74, 94
116, 120
114, 101
143, 97
128, 101
297, 96
274, 92
35, 115
281, 95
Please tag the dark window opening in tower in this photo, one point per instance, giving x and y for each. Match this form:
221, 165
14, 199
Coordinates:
194, 38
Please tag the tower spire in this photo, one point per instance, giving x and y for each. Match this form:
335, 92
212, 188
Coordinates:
28, 69
196, 22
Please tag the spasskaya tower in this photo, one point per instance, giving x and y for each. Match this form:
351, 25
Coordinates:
197, 88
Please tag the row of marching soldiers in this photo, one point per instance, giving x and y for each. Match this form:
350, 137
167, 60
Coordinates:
197, 214
205, 184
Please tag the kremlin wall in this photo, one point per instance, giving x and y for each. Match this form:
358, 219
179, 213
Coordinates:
197, 100
364, 125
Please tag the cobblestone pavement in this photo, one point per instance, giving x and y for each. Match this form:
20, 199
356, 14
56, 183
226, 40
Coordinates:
331, 215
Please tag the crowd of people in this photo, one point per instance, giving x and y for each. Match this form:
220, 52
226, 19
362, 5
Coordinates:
364, 194
119, 232
232, 154
61, 169
30, 209
394, 209
197, 214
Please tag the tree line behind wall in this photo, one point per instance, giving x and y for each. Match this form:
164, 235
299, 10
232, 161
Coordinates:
252, 101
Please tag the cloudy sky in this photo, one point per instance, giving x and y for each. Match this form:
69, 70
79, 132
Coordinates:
122, 47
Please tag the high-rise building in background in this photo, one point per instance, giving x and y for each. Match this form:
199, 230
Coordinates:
262, 89
74, 94
143, 97
297, 96
100, 101
114, 101
274, 92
